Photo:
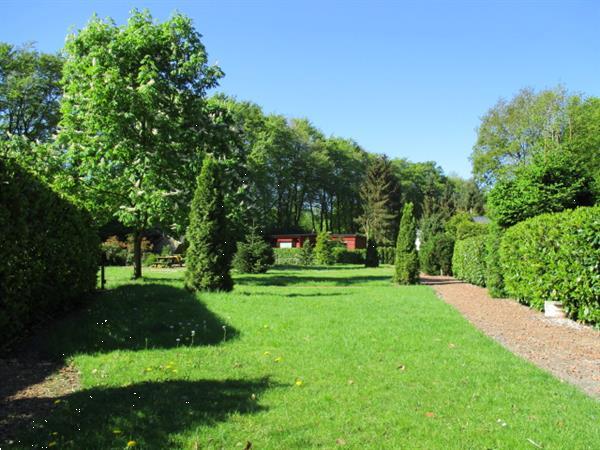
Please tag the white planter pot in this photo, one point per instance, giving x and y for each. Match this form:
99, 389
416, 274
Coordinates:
554, 310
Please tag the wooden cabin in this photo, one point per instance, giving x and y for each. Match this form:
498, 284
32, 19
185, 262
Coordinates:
296, 240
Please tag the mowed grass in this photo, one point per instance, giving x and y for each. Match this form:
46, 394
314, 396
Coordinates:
298, 359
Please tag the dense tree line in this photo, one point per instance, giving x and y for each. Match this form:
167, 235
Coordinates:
122, 120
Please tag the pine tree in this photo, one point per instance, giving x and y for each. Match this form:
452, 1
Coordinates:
253, 256
307, 254
407, 260
324, 249
375, 218
208, 257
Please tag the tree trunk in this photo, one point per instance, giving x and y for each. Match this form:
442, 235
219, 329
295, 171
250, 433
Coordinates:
137, 255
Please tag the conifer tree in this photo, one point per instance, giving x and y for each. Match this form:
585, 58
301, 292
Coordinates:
324, 249
407, 260
376, 217
307, 253
209, 255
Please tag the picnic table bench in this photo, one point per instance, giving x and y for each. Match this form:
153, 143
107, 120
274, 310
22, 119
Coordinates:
168, 261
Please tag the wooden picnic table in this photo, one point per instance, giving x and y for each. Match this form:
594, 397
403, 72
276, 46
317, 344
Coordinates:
168, 261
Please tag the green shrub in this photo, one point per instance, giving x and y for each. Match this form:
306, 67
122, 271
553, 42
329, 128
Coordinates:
555, 257
461, 226
386, 255
407, 259
49, 253
324, 249
288, 256
468, 260
493, 271
549, 183
371, 257
307, 253
435, 255
253, 256
344, 256
208, 258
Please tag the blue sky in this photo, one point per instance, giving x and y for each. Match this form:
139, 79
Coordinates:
409, 79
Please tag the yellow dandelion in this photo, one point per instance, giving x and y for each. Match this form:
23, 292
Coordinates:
299, 382
131, 444
148, 369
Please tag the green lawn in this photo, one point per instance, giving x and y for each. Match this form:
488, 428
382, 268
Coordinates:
299, 359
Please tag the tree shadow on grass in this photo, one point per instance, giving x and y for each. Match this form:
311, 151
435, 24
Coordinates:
289, 294
136, 317
148, 413
131, 317
288, 280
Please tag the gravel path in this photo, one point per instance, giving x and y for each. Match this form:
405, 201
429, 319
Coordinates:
566, 349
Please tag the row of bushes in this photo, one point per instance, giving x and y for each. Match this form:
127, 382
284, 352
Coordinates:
469, 260
554, 257
39, 274
297, 257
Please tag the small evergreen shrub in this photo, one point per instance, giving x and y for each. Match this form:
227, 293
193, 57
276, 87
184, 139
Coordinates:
324, 249
307, 253
253, 256
555, 257
288, 256
494, 279
49, 253
371, 256
407, 259
468, 261
208, 258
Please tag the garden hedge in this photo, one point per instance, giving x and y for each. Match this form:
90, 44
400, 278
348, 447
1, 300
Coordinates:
49, 254
555, 256
387, 255
340, 255
468, 260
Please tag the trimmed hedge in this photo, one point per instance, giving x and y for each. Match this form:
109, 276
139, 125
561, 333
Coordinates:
435, 255
344, 256
387, 255
49, 254
341, 255
468, 260
555, 257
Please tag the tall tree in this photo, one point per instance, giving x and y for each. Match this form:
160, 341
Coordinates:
513, 131
407, 260
29, 92
210, 252
135, 124
376, 217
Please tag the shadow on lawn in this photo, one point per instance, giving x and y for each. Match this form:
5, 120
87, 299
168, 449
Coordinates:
148, 413
131, 317
137, 317
287, 280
